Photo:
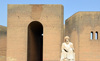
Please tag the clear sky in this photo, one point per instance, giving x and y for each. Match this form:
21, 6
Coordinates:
70, 6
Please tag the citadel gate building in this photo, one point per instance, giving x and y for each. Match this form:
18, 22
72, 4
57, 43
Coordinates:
84, 29
36, 32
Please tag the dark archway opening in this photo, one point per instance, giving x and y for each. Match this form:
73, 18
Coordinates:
35, 41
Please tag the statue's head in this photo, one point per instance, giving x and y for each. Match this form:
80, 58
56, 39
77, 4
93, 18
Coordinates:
66, 39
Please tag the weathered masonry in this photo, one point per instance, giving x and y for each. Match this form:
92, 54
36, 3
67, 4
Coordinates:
3, 44
84, 29
34, 32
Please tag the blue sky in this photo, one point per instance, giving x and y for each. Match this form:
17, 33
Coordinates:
70, 6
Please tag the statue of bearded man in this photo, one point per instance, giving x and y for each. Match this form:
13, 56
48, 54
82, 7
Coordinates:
67, 53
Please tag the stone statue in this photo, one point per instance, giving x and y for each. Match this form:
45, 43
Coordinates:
67, 53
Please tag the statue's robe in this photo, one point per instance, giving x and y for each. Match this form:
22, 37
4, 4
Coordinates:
67, 52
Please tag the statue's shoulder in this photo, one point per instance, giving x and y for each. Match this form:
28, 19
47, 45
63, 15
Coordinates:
71, 43
63, 43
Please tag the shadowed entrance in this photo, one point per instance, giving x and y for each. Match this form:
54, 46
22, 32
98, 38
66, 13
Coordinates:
35, 41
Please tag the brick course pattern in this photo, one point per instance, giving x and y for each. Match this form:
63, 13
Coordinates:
3, 40
19, 18
79, 27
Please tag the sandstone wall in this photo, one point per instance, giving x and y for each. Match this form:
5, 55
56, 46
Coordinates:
3, 40
19, 18
79, 27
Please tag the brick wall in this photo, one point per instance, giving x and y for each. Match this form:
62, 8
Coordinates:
3, 40
79, 27
20, 16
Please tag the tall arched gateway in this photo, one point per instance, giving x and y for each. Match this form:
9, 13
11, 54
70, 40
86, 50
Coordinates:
24, 34
35, 41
